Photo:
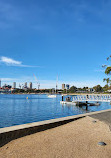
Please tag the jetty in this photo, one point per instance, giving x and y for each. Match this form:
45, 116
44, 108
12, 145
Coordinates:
82, 100
93, 97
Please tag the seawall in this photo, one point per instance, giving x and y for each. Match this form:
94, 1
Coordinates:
10, 133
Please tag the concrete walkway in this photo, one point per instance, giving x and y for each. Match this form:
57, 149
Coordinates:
103, 116
77, 139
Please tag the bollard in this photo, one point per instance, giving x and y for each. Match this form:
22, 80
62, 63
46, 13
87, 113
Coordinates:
62, 98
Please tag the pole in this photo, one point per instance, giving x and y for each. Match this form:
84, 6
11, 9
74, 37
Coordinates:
62, 97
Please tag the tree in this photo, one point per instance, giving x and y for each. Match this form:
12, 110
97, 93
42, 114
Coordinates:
107, 68
105, 88
107, 80
98, 88
73, 89
64, 91
85, 88
107, 72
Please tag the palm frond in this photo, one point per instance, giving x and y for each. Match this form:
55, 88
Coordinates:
108, 70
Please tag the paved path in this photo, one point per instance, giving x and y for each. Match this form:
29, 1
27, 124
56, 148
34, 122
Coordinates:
77, 139
103, 116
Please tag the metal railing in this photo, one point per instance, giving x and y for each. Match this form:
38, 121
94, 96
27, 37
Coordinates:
99, 97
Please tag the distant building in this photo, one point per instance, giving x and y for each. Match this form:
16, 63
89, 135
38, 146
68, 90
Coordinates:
30, 85
67, 86
90, 89
6, 86
14, 85
63, 86
25, 86
109, 90
53, 90
0, 83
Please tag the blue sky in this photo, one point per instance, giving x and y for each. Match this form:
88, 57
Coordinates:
71, 38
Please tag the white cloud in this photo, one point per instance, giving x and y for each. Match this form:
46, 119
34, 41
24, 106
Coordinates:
11, 62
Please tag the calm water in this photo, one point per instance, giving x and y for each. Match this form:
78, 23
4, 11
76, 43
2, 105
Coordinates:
16, 109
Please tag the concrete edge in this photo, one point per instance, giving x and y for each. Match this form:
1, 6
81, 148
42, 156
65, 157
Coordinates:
10, 133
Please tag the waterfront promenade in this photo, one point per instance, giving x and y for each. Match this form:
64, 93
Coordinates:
77, 139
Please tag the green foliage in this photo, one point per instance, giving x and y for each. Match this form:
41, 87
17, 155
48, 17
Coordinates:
85, 88
19, 91
82, 89
108, 70
73, 89
107, 80
64, 91
105, 88
98, 88
31, 91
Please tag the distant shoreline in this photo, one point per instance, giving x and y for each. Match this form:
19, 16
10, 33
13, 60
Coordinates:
57, 94
23, 93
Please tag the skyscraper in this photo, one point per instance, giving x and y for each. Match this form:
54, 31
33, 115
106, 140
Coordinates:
30, 85
0, 83
67, 86
25, 85
63, 86
14, 85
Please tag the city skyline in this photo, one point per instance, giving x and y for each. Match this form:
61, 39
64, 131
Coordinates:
26, 84
29, 85
70, 38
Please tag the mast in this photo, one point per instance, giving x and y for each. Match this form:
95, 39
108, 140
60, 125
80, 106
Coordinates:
57, 83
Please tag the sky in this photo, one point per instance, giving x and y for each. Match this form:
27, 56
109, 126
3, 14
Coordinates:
68, 38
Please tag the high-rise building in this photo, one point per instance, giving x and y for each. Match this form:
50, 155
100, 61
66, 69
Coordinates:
0, 83
67, 86
30, 85
14, 85
63, 86
25, 85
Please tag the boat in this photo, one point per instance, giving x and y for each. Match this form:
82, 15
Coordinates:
1, 93
52, 96
94, 104
66, 102
97, 103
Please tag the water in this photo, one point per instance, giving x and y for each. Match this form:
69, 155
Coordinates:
16, 109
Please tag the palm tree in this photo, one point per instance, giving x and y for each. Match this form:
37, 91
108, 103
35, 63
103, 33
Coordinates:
107, 80
108, 70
